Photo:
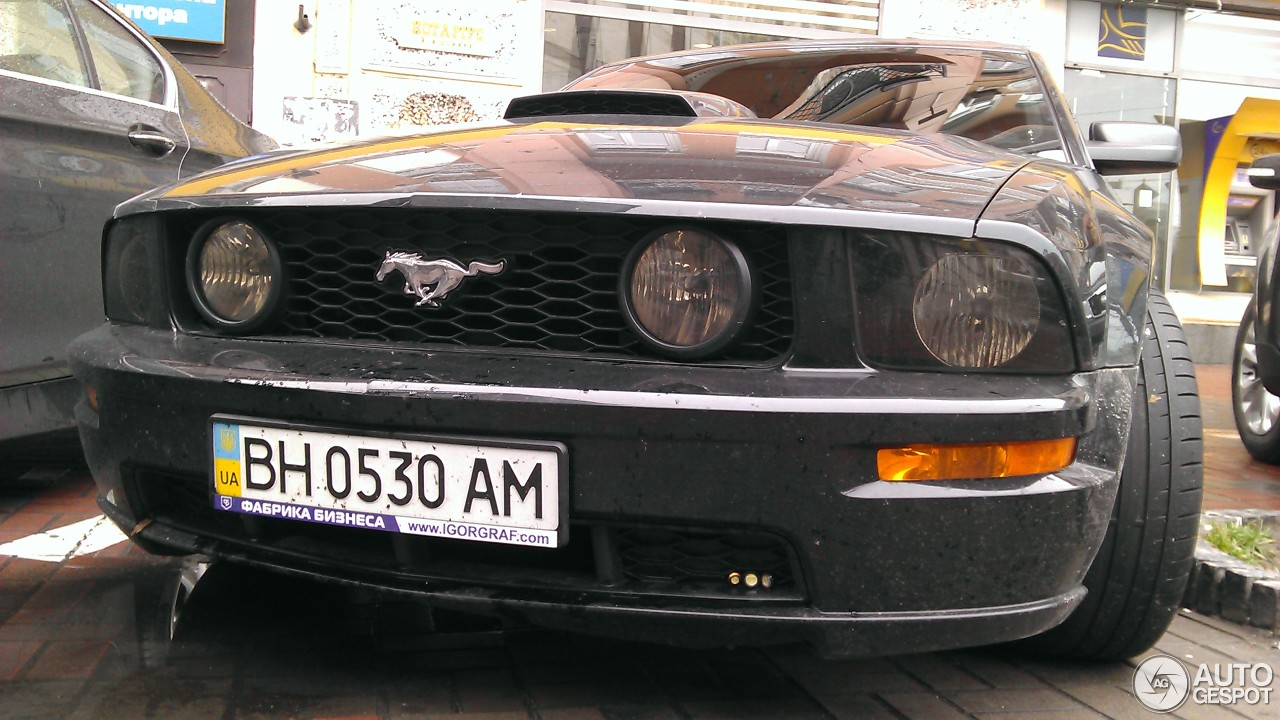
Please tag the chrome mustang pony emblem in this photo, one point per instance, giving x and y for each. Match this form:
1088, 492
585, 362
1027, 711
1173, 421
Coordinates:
441, 276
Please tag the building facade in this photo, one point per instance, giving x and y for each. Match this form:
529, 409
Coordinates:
330, 70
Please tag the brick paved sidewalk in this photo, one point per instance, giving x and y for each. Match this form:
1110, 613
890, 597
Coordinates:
1232, 479
87, 636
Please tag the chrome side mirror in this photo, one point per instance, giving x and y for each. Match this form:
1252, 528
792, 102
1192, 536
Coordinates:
1133, 148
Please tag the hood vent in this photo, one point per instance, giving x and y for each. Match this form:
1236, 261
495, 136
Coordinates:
625, 102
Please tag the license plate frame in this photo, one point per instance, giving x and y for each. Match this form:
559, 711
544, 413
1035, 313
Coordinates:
520, 462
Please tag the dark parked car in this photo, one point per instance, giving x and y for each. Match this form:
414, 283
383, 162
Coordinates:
1256, 368
92, 112
799, 341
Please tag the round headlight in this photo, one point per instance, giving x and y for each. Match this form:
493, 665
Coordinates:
976, 311
234, 274
687, 292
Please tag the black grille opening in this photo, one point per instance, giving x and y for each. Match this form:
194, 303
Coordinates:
557, 293
598, 103
699, 557
621, 561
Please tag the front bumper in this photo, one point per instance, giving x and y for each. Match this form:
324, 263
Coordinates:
716, 463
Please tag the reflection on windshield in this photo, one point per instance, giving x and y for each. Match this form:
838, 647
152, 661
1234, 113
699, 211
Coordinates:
991, 96
861, 93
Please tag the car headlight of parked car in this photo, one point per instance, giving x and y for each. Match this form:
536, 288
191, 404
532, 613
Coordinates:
934, 303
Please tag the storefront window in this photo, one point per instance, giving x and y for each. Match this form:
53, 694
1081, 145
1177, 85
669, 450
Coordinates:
1205, 100
843, 16
582, 35
1229, 70
1230, 46
1104, 95
1217, 254
576, 44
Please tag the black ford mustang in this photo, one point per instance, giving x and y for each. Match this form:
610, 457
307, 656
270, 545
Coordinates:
840, 342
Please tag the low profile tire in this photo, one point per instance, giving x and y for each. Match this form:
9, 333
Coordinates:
1257, 411
1137, 581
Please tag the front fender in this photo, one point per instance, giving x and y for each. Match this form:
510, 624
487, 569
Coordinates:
1099, 252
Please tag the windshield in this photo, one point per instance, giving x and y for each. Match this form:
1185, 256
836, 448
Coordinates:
992, 96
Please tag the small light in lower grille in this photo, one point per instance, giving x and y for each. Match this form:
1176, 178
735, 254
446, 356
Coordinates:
660, 555
750, 579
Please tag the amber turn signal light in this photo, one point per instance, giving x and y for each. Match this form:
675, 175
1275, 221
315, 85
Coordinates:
975, 460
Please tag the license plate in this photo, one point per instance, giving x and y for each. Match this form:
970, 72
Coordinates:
496, 491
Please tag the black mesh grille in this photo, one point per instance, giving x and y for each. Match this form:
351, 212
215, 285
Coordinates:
598, 103
558, 291
661, 555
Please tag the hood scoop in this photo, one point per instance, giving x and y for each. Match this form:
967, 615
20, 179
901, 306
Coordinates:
625, 102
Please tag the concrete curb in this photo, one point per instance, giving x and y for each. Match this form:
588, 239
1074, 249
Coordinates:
1232, 589
1211, 343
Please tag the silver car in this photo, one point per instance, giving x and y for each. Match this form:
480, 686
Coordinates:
92, 111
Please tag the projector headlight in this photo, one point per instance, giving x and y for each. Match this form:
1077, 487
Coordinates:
687, 293
234, 274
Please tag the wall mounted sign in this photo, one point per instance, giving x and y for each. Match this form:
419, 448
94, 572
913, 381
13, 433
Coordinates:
431, 32
195, 20
1121, 36
1122, 32
333, 36
459, 40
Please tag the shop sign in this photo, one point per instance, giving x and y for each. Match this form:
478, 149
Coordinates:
1121, 35
1122, 32
425, 33
195, 20
1214, 130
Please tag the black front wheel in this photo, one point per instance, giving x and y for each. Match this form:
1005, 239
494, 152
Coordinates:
1137, 581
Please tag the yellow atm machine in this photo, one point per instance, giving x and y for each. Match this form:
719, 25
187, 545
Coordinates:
1233, 213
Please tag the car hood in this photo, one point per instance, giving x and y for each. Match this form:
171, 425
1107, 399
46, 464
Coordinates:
744, 169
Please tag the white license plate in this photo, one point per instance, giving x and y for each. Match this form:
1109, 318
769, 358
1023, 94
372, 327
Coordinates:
487, 490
